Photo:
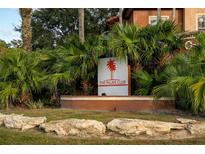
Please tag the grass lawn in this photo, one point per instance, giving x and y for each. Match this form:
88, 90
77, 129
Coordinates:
34, 137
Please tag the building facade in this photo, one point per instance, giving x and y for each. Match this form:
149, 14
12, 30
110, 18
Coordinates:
186, 19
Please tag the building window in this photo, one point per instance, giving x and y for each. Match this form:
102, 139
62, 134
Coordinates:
201, 22
153, 19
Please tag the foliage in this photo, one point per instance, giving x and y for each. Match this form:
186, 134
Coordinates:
57, 66
152, 52
123, 42
29, 77
150, 46
185, 78
19, 76
158, 44
3, 46
52, 26
148, 50
84, 58
15, 44
61, 74
35, 104
126, 41
24, 77
146, 81
72, 63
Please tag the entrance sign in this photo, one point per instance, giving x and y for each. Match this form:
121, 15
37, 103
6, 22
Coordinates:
112, 77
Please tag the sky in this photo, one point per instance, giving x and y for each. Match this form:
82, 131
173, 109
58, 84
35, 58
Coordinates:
9, 18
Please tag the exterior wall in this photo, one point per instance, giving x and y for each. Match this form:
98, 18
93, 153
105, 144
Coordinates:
116, 103
190, 18
141, 16
131, 19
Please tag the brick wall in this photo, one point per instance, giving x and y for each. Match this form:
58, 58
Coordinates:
107, 103
141, 16
190, 18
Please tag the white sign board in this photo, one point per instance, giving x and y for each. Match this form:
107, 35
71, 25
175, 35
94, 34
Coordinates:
112, 77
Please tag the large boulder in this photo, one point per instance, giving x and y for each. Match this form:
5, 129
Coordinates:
186, 121
134, 127
22, 122
2, 116
197, 129
75, 127
194, 127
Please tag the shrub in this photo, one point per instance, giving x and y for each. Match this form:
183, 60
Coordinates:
35, 105
185, 78
20, 75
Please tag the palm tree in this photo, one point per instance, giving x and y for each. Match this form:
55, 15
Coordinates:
184, 78
60, 71
81, 25
24, 75
149, 47
82, 40
158, 44
84, 59
123, 42
20, 75
26, 28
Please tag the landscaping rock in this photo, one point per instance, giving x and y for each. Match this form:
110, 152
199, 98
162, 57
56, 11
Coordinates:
75, 127
22, 122
197, 129
2, 116
186, 121
134, 127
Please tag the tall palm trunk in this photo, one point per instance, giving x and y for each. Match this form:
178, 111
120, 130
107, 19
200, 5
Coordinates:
158, 14
26, 28
81, 25
85, 83
25, 98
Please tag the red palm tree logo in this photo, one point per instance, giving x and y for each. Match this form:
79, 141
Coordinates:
111, 65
